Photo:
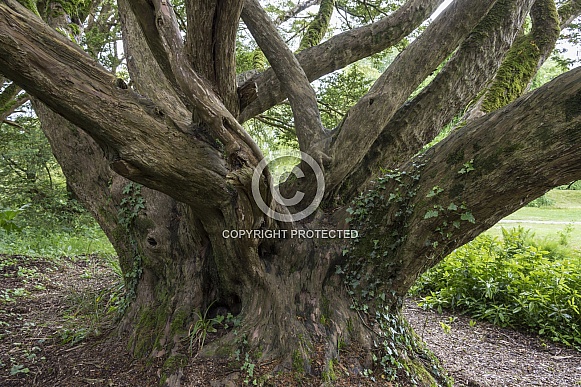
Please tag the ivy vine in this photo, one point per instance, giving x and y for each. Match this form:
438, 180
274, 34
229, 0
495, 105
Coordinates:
369, 264
129, 208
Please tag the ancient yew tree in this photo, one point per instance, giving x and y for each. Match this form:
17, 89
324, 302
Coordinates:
177, 130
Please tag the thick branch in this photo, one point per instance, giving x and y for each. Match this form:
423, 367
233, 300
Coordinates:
518, 153
146, 75
524, 59
165, 42
482, 173
302, 97
365, 121
139, 140
342, 50
210, 44
469, 70
158, 40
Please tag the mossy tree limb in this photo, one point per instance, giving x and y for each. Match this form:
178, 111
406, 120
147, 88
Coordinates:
318, 26
11, 99
525, 57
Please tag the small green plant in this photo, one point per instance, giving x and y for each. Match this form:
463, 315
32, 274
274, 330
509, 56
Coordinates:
467, 167
445, 327
248, 368
18, 369
7, 219
200, 329
10, 295
75, 335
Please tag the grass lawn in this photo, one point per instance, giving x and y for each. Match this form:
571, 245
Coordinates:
562, 216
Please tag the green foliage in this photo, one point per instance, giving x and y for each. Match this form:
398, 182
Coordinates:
200, 329
518, 281
29, 173
248, 368
52, 224
102, 36
369, 264
131, 204
354, 12
341, 90
552, 68
542, 201
19, 369
337, 92
575, 185
7, 219
204, 325
80, 238
129, 208
31, 5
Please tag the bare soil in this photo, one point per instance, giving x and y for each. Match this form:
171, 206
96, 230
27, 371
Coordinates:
54, 331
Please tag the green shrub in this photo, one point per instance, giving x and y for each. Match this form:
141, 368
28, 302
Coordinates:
513, 282
542, 201
60, 242
575, 185
7, 216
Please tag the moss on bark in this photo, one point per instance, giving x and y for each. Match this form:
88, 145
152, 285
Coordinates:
525, 57
318, 27
31, 5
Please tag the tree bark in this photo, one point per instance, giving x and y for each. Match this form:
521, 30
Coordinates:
462, 78
174, 132
342, 50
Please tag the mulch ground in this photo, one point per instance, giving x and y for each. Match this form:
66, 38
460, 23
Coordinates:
50, 337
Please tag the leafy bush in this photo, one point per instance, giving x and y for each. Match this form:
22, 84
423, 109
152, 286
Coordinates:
53, 224
542, 201
514, 282
575, 185
7, 216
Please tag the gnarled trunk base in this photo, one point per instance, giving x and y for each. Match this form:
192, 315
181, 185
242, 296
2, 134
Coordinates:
298, 315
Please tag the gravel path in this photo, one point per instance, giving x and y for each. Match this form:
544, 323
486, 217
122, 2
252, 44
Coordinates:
486, 355
537, 221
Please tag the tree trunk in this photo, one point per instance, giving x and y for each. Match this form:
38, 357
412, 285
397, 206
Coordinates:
305, 286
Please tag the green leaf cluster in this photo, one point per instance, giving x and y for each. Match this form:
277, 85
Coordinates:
518, 282
7, 219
